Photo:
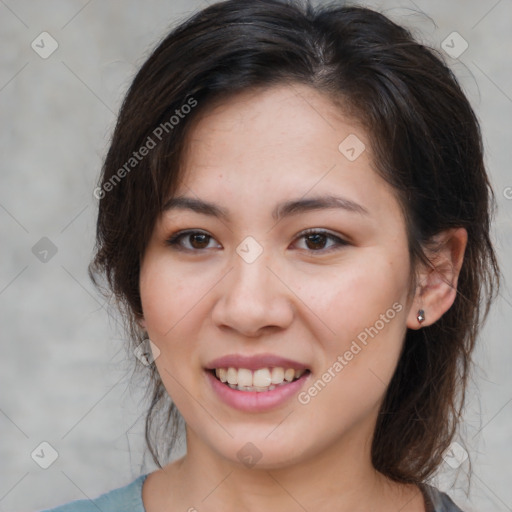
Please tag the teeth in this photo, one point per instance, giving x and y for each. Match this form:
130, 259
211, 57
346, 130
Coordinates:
277, 375
289, 374
244, 378
232, 376
263, 379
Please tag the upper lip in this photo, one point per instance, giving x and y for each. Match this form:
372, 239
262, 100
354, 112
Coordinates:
254, 362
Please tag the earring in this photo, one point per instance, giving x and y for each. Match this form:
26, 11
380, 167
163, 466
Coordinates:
420, 316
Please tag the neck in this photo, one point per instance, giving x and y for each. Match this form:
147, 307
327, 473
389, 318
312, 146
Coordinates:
338, 478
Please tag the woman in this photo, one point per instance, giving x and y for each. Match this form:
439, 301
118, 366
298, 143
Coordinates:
295, 211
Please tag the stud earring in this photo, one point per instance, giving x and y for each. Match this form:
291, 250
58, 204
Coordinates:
420, 316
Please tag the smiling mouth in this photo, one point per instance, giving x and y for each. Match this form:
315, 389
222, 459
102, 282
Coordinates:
261, 380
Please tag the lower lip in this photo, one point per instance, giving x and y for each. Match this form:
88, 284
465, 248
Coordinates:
256, 401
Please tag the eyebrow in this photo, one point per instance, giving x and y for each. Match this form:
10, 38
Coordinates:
284, 209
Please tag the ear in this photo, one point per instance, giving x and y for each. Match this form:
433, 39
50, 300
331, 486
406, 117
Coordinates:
437, 284
141, 322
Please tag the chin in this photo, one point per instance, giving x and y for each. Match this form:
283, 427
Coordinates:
256, 452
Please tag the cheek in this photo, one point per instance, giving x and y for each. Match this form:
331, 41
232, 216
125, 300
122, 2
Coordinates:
165, 297
174, 307
354, 295
170, 303
358, 361
364, 306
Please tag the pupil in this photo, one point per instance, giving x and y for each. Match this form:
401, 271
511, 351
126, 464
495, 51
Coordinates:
202, 240
316, 239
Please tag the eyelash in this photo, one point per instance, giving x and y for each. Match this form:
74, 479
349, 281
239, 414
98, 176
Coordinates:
174, 240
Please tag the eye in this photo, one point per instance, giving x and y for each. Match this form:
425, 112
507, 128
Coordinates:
197, 240
316, 240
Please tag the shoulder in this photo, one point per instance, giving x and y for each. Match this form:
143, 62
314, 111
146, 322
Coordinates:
121, 499
438, 501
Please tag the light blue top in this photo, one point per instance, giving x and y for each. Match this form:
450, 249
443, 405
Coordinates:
129, 499
123, 499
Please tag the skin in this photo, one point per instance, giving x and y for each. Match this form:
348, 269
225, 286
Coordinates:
302, 300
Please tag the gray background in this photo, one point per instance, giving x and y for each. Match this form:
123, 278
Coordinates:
64, 376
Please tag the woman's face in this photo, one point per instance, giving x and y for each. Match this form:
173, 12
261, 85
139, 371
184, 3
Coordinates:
245, 293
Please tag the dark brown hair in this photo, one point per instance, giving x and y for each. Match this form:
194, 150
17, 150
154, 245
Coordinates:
426, 143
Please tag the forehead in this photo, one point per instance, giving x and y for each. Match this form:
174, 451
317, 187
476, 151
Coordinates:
282, 141
289, 119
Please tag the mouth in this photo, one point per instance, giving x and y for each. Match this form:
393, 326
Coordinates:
259, 380
256, 383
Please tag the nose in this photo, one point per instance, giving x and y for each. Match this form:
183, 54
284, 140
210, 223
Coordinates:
253, 298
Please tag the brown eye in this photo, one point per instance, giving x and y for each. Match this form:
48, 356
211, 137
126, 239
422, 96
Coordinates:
317, 240
199, 240
190, 240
